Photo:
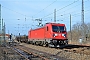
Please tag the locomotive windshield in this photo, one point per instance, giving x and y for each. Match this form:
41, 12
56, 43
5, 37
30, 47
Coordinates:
58, 28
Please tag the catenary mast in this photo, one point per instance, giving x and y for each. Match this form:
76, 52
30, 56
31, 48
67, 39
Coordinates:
0, 18
82, 12
82, 20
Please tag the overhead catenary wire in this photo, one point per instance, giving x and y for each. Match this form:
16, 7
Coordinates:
26, 15
76, 14
61, 8
62, 14
45, 7
72, 8
14, 11
69, 9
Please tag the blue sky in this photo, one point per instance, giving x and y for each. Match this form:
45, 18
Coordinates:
20, 15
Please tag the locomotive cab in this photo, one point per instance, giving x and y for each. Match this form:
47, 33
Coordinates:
58, 34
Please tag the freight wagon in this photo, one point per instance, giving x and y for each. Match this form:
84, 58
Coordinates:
51, 34
22, 38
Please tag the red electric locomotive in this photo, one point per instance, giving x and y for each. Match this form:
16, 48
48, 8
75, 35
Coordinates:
51, 34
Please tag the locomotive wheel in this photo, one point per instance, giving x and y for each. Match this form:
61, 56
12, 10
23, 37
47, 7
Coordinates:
46, 44
50, 45
55, 45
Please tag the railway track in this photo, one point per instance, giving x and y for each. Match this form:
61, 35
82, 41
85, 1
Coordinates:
31, 54
26, 53
7, 53
82, 49
40, 54
70, 52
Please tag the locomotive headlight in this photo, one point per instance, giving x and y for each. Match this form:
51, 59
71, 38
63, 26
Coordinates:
64, 35
55, 35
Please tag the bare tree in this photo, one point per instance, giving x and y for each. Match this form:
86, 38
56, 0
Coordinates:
79, 31
88, 31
